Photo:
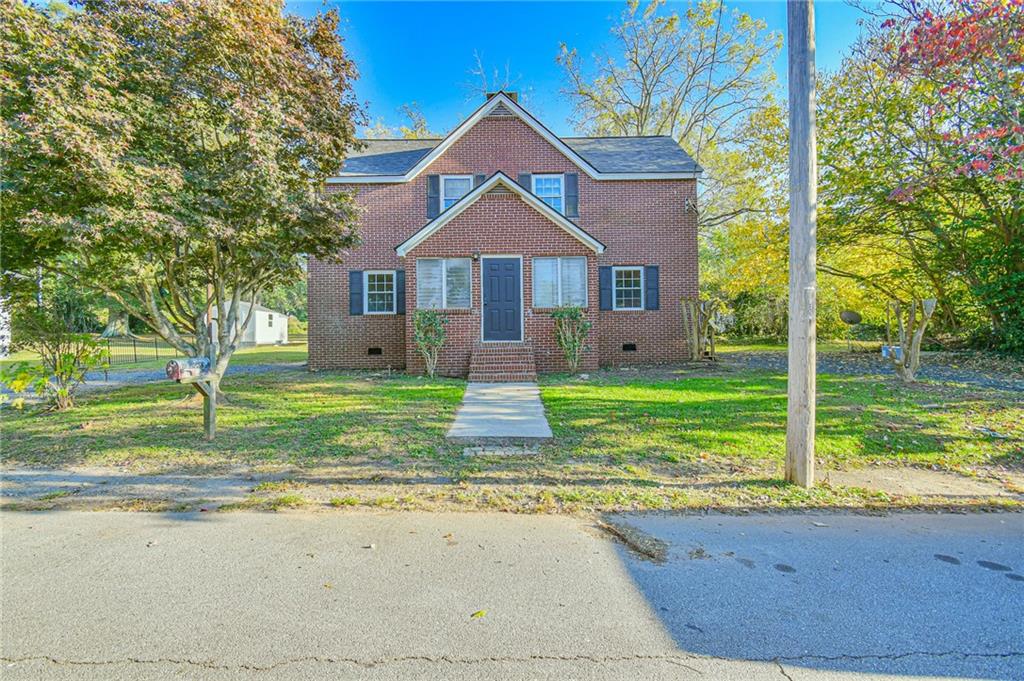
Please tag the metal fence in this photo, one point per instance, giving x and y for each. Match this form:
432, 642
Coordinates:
134, 350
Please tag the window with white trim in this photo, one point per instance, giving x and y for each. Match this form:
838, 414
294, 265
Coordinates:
270, 321
551, 190
627, 288
443, 283
453, 188
379, 292
559, 281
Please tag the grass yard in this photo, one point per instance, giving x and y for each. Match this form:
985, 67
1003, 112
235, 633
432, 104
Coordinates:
739, 420
288, 417
651, 439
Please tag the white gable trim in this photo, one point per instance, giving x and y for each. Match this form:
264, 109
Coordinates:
470, 198
526, 117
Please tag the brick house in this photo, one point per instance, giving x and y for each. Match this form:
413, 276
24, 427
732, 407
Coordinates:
497, 224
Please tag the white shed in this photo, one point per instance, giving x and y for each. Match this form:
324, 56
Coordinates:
267, 327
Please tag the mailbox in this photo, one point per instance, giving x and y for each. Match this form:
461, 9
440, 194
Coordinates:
892, 352
188, 370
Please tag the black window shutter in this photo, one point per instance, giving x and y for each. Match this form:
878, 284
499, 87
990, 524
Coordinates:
572, 195
651, 287
478, 180
433, 196
526, 181
355, 292
400, 291
604, 281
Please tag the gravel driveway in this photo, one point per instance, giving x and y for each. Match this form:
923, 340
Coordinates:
934, 366
95, 380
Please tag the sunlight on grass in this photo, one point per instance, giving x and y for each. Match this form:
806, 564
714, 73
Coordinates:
743, 418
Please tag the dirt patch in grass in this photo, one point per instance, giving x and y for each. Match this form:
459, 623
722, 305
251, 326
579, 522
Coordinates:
919, 482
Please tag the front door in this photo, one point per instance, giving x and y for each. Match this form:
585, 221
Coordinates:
502, 294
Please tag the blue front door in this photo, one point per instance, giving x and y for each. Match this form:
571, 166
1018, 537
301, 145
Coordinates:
502, 293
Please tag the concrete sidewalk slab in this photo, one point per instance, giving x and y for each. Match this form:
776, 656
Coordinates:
492, 411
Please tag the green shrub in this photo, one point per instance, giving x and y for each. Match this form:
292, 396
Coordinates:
571, 329
65, 357
429, 334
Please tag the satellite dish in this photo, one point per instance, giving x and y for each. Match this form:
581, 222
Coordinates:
850, 317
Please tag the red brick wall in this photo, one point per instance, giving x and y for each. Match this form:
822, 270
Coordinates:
500, 225
641, 223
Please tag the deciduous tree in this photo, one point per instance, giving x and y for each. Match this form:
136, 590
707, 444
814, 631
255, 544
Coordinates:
174, 153
698, 77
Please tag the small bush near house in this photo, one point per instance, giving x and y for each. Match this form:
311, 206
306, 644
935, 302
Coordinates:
571, 329
428, 331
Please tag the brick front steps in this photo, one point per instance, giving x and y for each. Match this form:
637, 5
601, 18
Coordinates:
502, 363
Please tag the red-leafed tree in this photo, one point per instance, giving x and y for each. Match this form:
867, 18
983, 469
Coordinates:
973, 52
926, 157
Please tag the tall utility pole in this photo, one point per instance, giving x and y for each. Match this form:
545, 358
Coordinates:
803, 227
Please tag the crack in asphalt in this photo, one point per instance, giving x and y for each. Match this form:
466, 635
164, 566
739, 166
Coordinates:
782, 670
444, 659
365, 663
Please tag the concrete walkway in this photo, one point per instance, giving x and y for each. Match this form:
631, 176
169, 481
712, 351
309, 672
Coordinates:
501, 411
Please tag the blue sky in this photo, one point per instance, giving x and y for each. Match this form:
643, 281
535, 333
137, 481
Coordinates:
422, 51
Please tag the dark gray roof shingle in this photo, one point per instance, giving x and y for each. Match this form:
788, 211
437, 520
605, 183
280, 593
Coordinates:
607, 154
659, 154
386, 157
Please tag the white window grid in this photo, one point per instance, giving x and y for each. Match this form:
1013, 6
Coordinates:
635, 276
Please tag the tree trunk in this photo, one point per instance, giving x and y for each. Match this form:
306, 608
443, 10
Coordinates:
911, 334
117, 324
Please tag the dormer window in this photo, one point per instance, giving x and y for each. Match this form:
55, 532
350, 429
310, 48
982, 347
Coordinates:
551, 190
453, 188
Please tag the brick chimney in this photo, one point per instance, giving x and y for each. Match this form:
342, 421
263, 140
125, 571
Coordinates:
514, 96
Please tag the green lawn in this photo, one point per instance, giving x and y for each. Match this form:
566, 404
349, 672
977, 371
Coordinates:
740, 419
291, 417
624, 440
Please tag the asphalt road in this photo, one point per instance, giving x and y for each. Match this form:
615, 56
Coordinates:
392, 596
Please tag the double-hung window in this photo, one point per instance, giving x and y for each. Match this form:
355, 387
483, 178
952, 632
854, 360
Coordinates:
551, 190
559, 281
628, 291
453, 188
443, 283
379, 286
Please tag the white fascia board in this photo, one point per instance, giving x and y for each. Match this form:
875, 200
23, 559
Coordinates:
470, 198
526, 117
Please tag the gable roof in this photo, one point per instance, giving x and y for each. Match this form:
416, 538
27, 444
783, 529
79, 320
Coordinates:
602, 158
387, 157
499, 178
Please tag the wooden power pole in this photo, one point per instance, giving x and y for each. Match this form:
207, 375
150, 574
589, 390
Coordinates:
803, 199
